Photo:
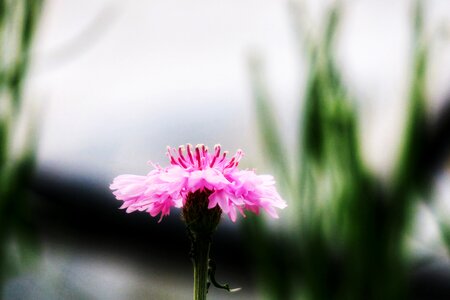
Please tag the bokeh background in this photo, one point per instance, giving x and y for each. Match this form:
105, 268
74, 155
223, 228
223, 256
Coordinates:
345, 102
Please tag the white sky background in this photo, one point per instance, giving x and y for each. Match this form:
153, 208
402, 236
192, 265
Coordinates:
117, 81
160, 73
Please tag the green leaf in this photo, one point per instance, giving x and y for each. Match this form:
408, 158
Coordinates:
267, 122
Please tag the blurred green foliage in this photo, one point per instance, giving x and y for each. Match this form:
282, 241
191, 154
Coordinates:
18, 20
348, 241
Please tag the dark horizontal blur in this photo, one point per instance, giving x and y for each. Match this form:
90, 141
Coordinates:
82, 217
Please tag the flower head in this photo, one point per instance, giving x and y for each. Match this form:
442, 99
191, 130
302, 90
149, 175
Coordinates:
193, 171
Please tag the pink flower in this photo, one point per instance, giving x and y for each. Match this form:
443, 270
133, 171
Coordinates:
193, 170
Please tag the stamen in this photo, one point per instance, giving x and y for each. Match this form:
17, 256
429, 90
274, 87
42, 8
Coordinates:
197, 156
239, 154
154, 165
182, 163
189, 153
204, 163
175, 153
217, 150
230, 163
212, 162
180, 153
216, 155
223, 156
172, 159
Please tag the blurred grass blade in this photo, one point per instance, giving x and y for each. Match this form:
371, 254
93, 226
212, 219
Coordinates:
267, 122
412, 147
30, 15
18, 22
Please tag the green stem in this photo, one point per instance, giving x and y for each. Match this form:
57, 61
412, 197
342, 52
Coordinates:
200, 258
